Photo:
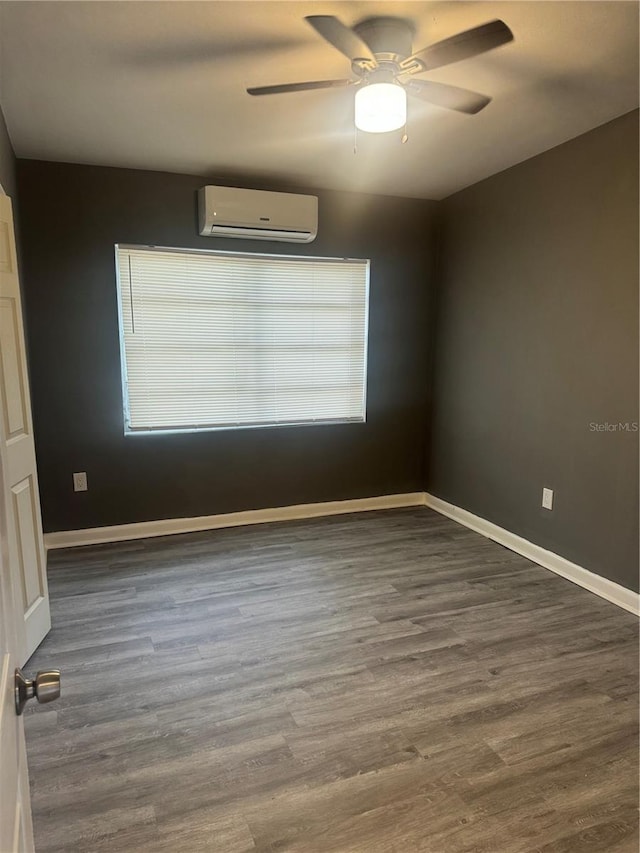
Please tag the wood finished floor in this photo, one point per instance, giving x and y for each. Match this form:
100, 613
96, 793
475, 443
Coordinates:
378, 682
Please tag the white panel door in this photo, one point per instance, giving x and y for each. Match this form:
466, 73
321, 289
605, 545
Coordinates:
23, 526
16, 832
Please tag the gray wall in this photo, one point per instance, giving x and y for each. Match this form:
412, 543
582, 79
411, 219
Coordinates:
71, 216
537, 339
7, 161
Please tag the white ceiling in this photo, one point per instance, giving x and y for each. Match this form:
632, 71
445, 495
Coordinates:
161, 85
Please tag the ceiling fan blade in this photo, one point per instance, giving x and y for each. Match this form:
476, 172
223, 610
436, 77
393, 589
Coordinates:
450, 97
343, 38
300, 87
462, 46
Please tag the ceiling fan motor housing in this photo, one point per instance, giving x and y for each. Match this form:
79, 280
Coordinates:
390, 39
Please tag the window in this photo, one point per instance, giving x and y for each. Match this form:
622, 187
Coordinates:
224, 339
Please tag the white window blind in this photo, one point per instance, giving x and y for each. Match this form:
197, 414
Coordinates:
215, 339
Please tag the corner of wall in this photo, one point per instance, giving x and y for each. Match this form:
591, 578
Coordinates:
432, 331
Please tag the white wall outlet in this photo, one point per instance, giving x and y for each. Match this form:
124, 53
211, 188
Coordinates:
547, 498
80, 481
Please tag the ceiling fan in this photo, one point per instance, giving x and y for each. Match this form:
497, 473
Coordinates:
385, 69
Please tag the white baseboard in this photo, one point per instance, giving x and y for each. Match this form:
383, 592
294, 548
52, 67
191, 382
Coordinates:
607, 589
165, 527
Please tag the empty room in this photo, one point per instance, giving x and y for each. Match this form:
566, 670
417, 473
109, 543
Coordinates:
319, 433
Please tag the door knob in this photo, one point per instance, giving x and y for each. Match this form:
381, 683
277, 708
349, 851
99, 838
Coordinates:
45, 687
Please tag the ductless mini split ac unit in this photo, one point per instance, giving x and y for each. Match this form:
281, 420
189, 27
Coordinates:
257, 215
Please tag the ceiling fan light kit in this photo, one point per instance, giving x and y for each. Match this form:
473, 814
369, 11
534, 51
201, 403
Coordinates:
385, 70
380, 107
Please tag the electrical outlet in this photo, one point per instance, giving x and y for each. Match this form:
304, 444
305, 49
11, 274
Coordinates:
547, 498
80, 481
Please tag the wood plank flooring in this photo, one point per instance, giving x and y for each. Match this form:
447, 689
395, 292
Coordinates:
379, 682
